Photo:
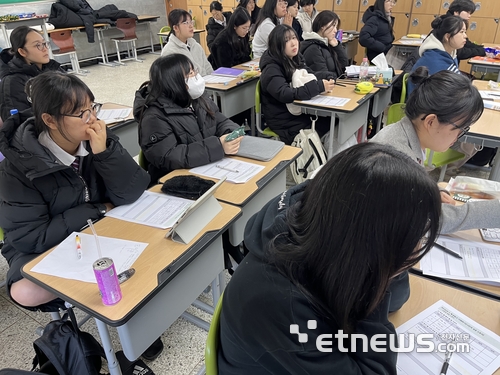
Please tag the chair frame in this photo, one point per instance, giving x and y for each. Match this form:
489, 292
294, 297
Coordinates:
129, 39
69, 50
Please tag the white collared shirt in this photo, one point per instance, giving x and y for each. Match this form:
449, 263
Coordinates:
65, 158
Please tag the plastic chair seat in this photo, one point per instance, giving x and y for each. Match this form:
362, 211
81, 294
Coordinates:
213, 340
127, 27
64, 41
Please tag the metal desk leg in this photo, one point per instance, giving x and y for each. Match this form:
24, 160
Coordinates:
332, 136
151, 40
5, 36
113, 365
104, 51
495, 170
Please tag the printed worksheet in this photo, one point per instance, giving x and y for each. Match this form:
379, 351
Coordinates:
153, 209
479, 353
481, 261
217, 79
63, 260
110, 116
332, 101
235, 171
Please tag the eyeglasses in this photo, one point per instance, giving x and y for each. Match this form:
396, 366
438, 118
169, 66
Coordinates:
42, 46
193, 73
393, 2
188, 23
86, 114
285, 3
463, 130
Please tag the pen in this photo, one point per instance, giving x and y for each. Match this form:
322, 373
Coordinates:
339, 84
91, 225
447, 251
125, 275
446, 363
227, 169
78, 247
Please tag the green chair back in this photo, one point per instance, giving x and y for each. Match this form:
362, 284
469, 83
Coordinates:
258, 116
142, 161
1, 235
164, 29
397, 111
213, 341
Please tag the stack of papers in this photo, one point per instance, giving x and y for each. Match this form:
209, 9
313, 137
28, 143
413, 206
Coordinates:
493, 95
63, 261
217, 79
325, 100
110, 116
353, 70
235, 171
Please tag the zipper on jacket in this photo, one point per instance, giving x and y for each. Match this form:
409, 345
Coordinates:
86, 193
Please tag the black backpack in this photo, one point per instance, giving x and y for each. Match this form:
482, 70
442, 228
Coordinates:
65, 350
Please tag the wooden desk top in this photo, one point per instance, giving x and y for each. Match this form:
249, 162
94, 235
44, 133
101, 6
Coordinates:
342, 92
488, 123
146, 17
232, 84
479, 60
240, 194
408, 42
425, 293
109, 105
158, 255
244, 67
44, 17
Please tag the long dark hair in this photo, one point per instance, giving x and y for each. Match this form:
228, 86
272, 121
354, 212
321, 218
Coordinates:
323, 19
346, 242
167, 77
446, 24
276, 49
238, 44
55, 93
267, 11
18, 39
450, 96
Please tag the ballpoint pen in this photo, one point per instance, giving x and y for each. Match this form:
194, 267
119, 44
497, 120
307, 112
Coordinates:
447, 251
446, 363
227, 169
79, 253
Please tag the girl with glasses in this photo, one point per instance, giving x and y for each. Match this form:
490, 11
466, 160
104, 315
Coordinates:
252, 9
27, 58
322, 261
232, 45
377, 33
270, 16
441, 109
181, 41
216, 23
61, 168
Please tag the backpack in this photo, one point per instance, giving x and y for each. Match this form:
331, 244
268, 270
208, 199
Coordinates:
65, 350
313, 154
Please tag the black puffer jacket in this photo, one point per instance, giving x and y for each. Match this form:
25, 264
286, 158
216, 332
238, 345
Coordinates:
276, 92
172, 137
43, 201
376, 34
321, 57
214, 28
223, 54
14, 76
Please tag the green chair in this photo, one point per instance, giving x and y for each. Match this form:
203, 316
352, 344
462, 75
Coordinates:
258, 116
213, 341
397, 111
164, 29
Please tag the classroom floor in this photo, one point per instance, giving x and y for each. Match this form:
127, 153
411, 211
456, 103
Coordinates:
184, 342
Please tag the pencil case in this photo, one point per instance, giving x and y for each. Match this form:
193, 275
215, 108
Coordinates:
188, 186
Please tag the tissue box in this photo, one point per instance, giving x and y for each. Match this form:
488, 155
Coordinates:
383, 77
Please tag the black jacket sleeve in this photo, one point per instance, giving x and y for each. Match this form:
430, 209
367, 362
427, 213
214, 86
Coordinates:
13, 95
222, 53
367, 33
315, 59
276, 85
341, 57
470, 50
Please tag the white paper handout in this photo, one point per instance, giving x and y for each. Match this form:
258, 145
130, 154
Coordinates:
446, 322
325, 100
495, 95
481, 261
217, 79
110, 116
152, 209
63, 261
235, 171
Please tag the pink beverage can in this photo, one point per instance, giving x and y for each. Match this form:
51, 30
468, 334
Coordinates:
107, 281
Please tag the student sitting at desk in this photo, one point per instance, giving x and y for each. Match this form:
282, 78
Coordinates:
328, 256
179, 126
232, 45
216, 23
439, 111
321, 49
269, 17
61, 168
252, 9
278, 64
307, 14
377, 33
181, 41
27, 58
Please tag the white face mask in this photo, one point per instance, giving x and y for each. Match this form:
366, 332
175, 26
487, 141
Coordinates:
196, 86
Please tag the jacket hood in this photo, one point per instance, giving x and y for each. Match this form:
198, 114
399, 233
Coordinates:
265, 225
17, 65
313, 37
431, 42
370, 12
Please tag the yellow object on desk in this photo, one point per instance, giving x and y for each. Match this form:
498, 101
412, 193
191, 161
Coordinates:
363, 88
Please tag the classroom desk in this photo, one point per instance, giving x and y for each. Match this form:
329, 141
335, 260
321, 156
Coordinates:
351, 46
169, 277
424, 293
36, 21
235, 97
407, 45
486, 132
254, 194
352, 116
485, 65
125, 129
145, 18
